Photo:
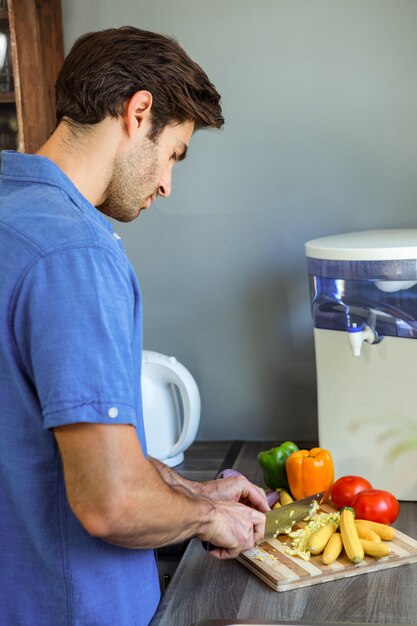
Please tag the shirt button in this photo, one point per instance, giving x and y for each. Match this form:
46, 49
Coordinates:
113, 412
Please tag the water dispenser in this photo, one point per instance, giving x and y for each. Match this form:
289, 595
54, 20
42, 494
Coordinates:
363, 289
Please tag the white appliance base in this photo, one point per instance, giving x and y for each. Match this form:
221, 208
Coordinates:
367, 407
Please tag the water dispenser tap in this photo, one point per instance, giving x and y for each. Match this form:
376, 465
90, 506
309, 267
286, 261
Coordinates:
358, 334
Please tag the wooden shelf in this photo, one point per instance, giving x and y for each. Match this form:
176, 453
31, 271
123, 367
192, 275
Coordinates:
7, 97
37, 55
36, 43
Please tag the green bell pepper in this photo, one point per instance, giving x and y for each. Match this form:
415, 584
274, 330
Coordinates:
273, 462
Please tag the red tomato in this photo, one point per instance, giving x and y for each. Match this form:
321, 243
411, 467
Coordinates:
376, 505
346, 488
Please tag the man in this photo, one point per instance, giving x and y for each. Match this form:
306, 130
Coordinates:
82, 507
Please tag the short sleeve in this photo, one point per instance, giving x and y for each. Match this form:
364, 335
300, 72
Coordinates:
74, 330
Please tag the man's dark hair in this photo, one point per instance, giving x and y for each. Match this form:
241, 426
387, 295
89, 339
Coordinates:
104, 69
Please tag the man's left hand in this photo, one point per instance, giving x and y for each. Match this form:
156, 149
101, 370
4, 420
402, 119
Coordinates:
236, 489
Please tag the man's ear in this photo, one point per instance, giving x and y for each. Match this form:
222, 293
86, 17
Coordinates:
138, 111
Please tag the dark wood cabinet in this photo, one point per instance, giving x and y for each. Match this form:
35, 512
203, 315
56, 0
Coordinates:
32, 41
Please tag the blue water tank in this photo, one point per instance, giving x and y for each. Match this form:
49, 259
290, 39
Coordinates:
368, 277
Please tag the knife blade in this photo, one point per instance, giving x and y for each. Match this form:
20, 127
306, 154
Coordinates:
285, 517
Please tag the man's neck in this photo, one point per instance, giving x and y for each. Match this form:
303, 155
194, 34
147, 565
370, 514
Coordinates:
87, 160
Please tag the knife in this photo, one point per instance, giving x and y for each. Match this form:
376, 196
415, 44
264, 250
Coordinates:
285, 517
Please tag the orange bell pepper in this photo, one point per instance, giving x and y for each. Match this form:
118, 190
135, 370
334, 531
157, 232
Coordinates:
310, 472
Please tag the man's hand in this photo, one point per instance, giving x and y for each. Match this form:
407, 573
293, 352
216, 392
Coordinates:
239, 505
236, 489
236, 527
241, 518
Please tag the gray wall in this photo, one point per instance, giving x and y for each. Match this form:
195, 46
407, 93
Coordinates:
320, 99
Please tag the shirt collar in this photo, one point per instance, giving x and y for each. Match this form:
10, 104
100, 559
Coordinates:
36, 168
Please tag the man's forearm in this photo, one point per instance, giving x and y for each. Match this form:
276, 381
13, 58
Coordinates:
121, 497
171, 477
172, 514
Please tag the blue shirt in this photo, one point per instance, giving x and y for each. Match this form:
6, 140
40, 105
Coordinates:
70, 351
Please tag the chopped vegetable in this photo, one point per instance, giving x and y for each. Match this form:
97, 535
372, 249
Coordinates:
300, 538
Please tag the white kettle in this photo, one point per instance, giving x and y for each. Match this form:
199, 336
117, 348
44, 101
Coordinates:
171, 407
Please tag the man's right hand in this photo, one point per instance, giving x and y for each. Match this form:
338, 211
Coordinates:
234, 528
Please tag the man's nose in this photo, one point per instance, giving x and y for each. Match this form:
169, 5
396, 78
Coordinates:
164, 187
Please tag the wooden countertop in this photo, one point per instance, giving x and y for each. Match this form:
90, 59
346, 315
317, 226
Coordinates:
204, 588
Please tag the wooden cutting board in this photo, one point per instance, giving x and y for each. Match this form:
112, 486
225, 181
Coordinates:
282, 572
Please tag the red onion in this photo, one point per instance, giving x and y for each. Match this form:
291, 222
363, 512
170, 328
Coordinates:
272, 497
228, 473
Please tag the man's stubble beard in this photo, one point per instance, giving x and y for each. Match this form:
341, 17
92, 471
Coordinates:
132, 182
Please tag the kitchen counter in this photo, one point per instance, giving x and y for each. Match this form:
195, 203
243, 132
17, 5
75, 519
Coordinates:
204, 588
